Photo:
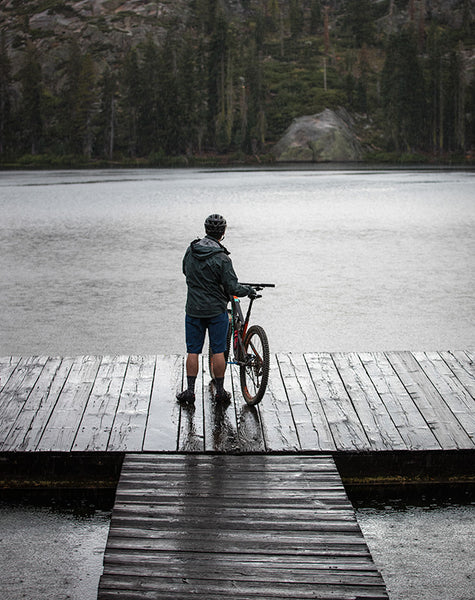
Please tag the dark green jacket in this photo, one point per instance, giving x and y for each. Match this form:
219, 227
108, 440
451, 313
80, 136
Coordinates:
210, 278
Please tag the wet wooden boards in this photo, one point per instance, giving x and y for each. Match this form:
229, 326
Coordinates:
237, 527
325, 402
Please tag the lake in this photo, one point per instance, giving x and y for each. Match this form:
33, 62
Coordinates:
363, 259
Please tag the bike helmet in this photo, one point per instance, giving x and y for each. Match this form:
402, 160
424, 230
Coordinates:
215, 226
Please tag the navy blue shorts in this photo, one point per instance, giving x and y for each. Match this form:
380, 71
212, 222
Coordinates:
195, 330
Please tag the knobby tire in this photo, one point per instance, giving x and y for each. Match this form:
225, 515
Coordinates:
254, 376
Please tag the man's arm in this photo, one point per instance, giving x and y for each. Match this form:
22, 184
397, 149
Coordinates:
230, 281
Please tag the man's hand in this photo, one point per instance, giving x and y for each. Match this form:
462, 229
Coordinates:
252, 292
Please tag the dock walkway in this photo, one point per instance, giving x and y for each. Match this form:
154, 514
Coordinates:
316, 402
278, 527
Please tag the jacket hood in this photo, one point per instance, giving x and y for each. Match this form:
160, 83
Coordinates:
203, 248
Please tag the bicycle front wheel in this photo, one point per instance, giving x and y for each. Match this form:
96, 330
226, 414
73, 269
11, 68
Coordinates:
255, 370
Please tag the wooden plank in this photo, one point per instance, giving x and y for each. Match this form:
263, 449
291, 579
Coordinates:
312, 428
16, 391
345, 426
372, 412
31, 422
8, 364
128, 429
409, 422
163, 417
221, 525
62, 427
220, 425
251, 438
463, 368
456, 397
448, 431
191, 436
96, 423
276, 416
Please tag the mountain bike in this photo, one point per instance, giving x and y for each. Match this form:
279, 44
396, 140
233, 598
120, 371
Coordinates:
250, 349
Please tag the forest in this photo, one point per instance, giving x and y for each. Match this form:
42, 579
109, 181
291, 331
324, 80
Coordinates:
223, 84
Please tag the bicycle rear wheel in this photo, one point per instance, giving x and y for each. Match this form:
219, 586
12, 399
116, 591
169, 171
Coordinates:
254, 374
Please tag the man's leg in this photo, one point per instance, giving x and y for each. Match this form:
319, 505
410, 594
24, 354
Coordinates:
219, 365
195, 334
219, 368
218, 329
192, 366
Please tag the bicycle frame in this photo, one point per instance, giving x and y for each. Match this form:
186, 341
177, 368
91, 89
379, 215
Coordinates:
240, 324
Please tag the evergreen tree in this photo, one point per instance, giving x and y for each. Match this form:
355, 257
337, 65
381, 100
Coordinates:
5, 94
455, 106
191, 95
31, 93
85, 105
149, 109
359, 21
170, 140
68, 117
402, 91
436, 86
129, 103
315, 16
107, 117
296, 18
217, 62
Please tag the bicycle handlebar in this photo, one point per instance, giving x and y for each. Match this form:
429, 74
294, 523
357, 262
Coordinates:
260, 285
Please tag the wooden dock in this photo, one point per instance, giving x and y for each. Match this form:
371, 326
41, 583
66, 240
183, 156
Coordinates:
263, 526
229, 500
316, 402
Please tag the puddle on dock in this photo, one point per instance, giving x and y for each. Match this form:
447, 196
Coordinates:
423, 552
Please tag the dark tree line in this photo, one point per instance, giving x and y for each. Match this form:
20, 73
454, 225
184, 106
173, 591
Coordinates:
206, 87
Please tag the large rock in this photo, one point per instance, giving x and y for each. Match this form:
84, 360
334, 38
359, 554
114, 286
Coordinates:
325, 137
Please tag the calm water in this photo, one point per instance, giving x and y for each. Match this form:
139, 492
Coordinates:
90, 262
362, 260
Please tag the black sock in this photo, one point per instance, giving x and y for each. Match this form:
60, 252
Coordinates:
191, 382
219, 383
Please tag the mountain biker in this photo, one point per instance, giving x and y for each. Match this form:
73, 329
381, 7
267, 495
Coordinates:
210, 280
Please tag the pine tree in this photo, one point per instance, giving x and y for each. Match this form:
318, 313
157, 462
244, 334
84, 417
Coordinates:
5, 94
67, 114
129, 103
31, 92
359, 21
85, 105
107, 118
149, 110
403, 94
217, 62
296, 18
315, 16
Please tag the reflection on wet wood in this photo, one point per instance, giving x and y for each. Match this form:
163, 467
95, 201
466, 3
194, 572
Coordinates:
328, 402
128, 428
240, 527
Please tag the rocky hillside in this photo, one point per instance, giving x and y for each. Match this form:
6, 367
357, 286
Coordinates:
154, 78
108, 27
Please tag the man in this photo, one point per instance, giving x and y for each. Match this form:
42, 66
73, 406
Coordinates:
211, 280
